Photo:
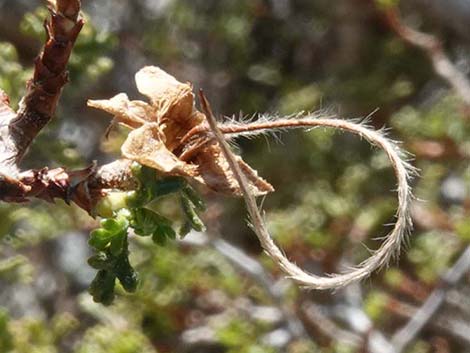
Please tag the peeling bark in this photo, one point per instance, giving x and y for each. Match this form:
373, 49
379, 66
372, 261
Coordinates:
37, 107
50, 75
84, 187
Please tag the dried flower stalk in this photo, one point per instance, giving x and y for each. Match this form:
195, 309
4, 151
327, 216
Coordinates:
402, 170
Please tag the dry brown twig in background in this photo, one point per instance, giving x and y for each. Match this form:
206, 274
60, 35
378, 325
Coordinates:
426, 312
328, 327
434, 50
253, 269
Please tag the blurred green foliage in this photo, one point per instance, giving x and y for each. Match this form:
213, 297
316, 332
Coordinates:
103, 339
89, 58
12, 74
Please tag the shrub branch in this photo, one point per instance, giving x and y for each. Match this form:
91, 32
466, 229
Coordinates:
36, 109
43, 91
434, 49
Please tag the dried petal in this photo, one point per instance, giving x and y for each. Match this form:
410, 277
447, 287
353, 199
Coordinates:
145, 145
215, 173
130, 113
172, 99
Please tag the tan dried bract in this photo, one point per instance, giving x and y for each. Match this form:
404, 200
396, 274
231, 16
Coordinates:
158, 131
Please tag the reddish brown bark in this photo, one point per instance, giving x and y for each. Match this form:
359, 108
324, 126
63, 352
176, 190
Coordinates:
50, 75
18, 129
85, 187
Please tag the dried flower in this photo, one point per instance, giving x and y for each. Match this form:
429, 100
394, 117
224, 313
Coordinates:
158, 131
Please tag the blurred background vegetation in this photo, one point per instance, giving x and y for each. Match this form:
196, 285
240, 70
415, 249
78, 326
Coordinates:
333, 195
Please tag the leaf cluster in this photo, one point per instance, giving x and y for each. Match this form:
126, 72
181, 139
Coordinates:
110, 240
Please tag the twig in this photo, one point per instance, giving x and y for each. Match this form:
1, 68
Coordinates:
460, 301
328, 327
256, 271
43, 91
447, 322
434, 50
422, 316
85, 187
352, 313
390, 246
18, 129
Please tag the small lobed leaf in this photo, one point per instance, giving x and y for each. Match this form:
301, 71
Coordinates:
163, 232
127, 276
189, 210
117, 243
102, 287
145, 222
194, 197
100, 261
100, 238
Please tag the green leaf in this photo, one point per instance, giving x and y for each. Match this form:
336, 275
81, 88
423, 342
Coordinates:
115, 225
151, 188
167, 231
159, 238
192, 195
162, 234
117, 243
167, 186
127, 276
189, 210
100, 261
102, 287
100, 238
145, 222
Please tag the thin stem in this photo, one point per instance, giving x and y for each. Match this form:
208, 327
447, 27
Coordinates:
433, 48
402, 338
310, 281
